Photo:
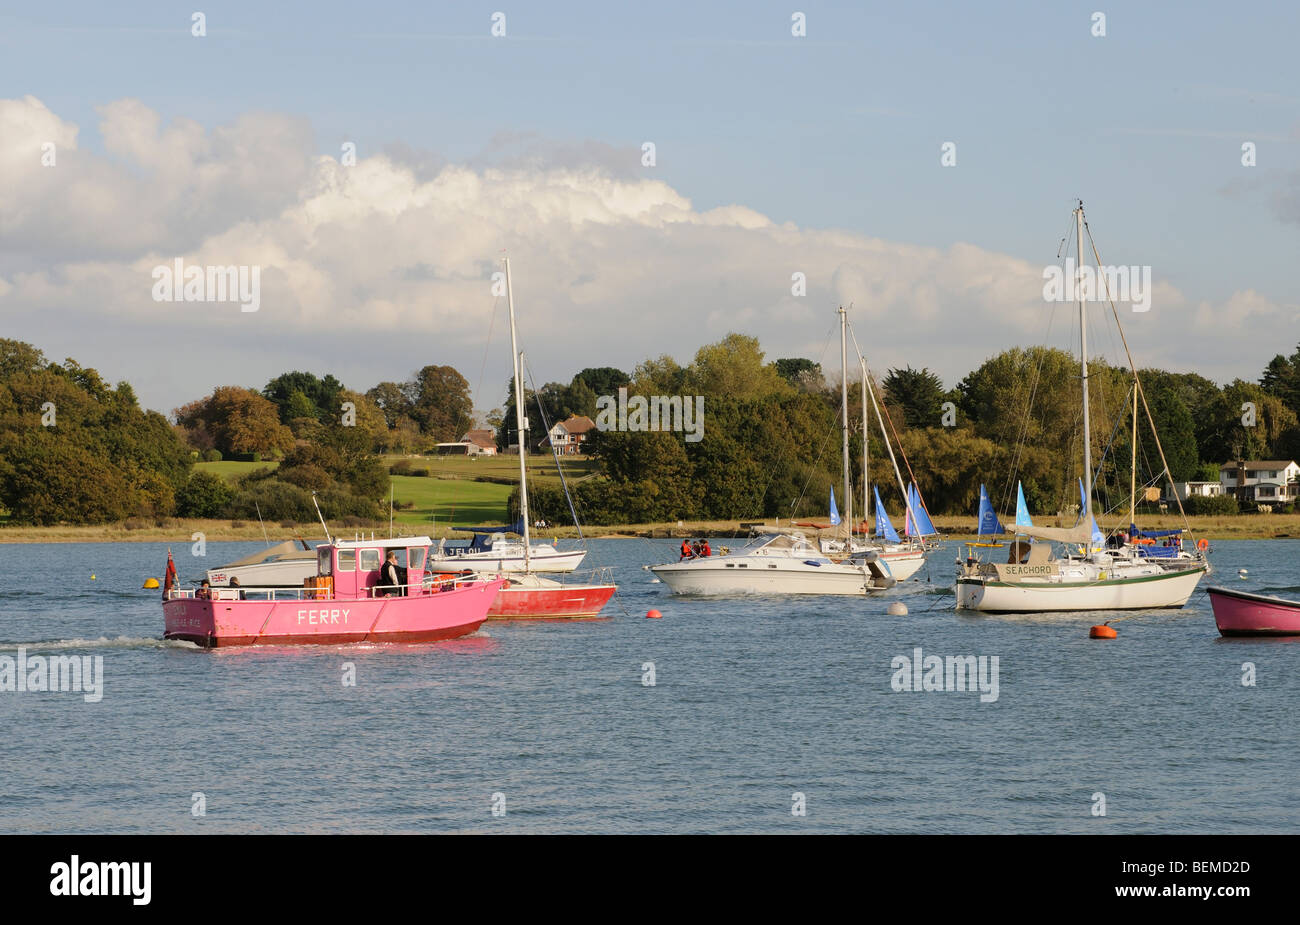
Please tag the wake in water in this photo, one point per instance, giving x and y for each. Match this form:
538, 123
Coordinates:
103, 642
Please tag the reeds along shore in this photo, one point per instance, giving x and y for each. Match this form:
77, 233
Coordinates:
179, 531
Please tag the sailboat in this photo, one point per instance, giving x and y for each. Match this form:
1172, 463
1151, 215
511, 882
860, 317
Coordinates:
905, 557
528, 595
782, 560
1034, 579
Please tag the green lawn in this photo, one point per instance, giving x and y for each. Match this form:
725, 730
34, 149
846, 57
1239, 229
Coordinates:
448, 502
541, 468
449, 496
230, 469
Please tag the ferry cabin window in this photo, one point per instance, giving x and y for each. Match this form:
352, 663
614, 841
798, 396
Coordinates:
416, 555
369, 560
323, 562
347, 560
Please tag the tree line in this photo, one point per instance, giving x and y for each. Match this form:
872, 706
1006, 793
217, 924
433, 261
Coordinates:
74, 449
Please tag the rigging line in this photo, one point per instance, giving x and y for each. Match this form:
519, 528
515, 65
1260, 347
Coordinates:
492, 320
541, 409
1137, 380
771, 476
893, 430
1023, 440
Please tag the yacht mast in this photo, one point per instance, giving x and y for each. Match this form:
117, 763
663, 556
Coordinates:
844, 421
866, 455
521, 422
1133, 468
1086, 513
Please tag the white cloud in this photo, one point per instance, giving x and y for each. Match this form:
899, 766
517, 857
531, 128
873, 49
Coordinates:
383, 266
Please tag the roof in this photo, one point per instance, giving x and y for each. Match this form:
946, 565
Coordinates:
395, 542
483, 438
578, 424
1261, 464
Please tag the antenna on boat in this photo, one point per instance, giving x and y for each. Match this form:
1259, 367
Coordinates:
328, 538
260, 521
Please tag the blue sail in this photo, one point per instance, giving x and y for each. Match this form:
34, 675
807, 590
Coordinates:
1022, 509
988, 519
921, 524
883, 526
835, 513
1097, 538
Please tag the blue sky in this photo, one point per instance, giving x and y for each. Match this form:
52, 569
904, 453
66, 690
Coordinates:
840, 130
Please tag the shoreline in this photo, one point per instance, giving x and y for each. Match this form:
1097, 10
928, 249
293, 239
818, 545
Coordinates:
953, 529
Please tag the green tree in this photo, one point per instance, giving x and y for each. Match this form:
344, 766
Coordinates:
206, 494
298, 394
919, 393
440, 403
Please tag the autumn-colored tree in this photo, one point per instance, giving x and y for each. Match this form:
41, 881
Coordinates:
239, 420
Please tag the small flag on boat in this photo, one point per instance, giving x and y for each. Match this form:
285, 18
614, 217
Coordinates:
170, 578
835, 513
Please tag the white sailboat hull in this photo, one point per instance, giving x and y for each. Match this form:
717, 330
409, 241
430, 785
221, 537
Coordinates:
286, 574
489, 561
904, 564
763, 578
1170, 589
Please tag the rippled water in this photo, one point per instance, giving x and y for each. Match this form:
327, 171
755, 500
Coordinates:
754, 700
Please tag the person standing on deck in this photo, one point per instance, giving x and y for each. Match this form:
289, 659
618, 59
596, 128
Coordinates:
391, 578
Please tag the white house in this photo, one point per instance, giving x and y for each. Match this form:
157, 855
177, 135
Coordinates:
474, 443
568, 436
1267, 481
1185, 490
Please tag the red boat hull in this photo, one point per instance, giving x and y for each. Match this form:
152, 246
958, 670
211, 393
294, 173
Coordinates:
572, 602
1240, 613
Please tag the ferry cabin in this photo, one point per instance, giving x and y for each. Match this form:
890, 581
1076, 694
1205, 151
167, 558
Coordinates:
350, 569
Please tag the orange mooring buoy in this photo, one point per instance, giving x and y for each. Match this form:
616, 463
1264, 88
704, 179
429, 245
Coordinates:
653, 615
1102, 632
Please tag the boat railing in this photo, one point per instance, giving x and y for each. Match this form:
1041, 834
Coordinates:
296, 593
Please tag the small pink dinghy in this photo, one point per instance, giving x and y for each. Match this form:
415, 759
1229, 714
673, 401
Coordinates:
345, 602
1240, 613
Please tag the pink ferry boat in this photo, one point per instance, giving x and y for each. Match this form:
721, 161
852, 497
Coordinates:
344, 603
1240, 613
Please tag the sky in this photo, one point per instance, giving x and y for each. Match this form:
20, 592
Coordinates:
774, 154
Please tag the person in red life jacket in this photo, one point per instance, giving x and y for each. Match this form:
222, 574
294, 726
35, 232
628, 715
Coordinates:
704, 549
686, 550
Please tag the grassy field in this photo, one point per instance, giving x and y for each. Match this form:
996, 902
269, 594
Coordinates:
451, 496
230, 469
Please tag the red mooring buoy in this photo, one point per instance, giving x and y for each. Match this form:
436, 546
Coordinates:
1102, 632
653, 615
